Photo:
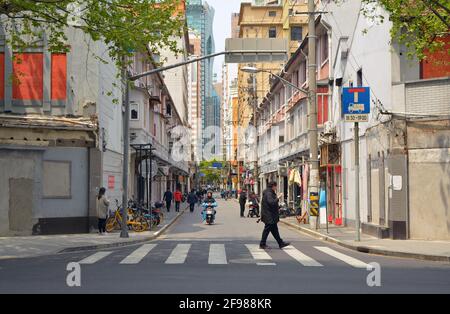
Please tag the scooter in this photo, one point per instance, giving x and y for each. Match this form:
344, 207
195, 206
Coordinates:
209, 212
253, 209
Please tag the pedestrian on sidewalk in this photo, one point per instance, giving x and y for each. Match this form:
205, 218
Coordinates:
178, 197
168, 196
102, 210
243, 201
270, 216
192, 200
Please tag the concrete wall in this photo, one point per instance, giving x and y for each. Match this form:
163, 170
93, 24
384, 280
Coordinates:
25, 209
76, 205
429, 179
429, 184
18, 169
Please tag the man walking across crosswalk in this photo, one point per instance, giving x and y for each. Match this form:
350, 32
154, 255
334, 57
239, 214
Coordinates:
270, 216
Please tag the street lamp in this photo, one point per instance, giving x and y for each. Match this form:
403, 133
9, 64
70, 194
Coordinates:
253, 70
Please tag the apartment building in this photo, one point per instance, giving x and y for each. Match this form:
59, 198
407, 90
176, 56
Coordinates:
403, 148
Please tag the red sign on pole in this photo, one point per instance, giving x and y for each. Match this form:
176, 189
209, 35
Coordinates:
111, 182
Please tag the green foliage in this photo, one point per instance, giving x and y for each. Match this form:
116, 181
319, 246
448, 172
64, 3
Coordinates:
418, 24
212, 175
125, 26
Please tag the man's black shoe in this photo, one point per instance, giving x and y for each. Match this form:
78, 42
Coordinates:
264, 247
284, 244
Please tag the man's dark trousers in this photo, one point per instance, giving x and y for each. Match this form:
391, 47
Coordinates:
168, 204
177, 206
271, 228
242, 208
192, 207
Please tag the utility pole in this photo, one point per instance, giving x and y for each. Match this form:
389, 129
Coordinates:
126, 149
312, 84
255, 106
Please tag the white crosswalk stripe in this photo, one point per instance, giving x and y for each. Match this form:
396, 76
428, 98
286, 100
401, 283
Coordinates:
260, 254
300, 257
94, 258
345, 258
217, 254
179, 254
138, 255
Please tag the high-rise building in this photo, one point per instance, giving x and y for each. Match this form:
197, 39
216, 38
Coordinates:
235, 25
267, 19
200, 18
195, 108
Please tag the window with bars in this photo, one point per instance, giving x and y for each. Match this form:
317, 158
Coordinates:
296, 33
272, 32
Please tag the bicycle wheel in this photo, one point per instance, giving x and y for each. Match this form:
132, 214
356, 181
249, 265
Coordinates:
140, 225
111, 224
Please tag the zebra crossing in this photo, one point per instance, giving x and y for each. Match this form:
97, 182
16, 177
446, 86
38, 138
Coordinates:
217, 255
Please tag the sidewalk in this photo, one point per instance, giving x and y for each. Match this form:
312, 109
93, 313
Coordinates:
345, 237
32, 246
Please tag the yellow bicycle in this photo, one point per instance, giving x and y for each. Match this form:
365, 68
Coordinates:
137, 223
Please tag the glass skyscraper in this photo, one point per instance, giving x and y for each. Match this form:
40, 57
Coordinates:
200, 18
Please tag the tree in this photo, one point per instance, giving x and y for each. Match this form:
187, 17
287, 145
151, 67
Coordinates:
212, 175
125, 26
421, 25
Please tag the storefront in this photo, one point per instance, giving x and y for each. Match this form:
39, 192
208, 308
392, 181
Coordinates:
331, 179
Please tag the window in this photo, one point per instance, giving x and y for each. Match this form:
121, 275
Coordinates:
272, 13
359, 77
302, 74
323, 48
322, 105
134, 111
28, 71
59, 77
273, 32
296, 33
2, 76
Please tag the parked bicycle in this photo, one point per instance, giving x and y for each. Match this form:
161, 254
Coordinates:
134, 221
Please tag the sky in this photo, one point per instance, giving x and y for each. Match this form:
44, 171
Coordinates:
222, 26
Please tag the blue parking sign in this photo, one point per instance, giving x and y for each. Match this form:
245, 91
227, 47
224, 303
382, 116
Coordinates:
356, 104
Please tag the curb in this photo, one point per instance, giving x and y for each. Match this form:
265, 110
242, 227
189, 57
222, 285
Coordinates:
122, 244
368, 250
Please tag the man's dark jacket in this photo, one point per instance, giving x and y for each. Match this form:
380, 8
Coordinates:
243, 198
192, 198
168, 196
269, 207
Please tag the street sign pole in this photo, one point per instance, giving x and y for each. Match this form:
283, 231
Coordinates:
358, 220
356, 109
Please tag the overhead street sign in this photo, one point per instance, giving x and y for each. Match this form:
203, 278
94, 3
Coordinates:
256, 50
356, 104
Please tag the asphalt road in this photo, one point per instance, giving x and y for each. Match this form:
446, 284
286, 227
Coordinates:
223, 258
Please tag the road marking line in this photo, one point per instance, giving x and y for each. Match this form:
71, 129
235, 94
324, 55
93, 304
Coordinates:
266, 264
300, 257
179, 254
217, 254
345, 258
94, 258
259, 254
138, 255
